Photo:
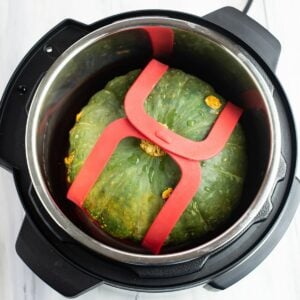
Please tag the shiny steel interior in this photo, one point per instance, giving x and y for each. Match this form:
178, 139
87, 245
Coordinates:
123, 46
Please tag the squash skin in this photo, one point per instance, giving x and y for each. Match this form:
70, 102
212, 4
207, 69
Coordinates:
128, 194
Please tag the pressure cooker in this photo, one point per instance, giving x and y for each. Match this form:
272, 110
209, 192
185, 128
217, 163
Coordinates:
56, 78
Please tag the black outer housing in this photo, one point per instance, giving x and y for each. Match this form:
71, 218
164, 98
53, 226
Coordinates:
71, 268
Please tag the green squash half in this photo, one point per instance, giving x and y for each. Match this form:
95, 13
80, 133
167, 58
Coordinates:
128, 194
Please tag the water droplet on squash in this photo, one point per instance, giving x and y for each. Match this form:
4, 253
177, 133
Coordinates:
171, 117
207, 189
190, 123
151, 174
134, 159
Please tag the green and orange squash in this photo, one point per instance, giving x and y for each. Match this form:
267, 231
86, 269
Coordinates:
140, 176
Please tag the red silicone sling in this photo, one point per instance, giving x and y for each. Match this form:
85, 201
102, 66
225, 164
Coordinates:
186, 153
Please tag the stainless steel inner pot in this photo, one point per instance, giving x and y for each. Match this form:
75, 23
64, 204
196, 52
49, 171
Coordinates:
115, 49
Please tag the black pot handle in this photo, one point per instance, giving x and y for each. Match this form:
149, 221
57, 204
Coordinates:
256, 256
44, 260
18, 94
249, 31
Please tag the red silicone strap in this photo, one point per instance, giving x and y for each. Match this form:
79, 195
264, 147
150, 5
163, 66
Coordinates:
190, 168
98, 158
176, 204
162, 40
165, 138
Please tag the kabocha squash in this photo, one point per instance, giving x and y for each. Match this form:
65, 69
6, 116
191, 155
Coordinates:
140, 176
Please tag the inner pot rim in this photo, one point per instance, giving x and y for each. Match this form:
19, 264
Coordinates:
229, 235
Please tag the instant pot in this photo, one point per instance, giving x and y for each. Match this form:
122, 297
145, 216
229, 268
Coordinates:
58, 76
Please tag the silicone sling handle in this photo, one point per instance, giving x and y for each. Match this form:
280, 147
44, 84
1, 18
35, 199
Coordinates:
162, 40
165, 138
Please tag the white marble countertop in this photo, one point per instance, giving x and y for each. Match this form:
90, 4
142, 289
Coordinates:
22, 23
